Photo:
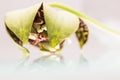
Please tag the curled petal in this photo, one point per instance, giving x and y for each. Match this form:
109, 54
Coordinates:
82, 33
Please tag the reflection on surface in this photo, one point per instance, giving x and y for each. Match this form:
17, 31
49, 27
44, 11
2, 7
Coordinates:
102, 50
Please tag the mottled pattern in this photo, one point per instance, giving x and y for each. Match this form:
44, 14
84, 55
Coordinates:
82, 33
40, 16
39, 24
14, 37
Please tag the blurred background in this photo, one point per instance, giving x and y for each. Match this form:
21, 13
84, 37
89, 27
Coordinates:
102, 49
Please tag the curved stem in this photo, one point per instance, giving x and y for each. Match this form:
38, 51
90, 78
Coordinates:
87, 18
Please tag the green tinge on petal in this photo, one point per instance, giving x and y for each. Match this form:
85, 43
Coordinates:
20, 21
23, 49
60, 24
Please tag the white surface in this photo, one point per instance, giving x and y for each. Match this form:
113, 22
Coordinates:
102, 49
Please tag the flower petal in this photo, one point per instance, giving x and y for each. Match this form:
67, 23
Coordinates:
20, 21
82, 33
60, 24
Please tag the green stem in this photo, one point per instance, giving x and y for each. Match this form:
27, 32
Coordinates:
87, 18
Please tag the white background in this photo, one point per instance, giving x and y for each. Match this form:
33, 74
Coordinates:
102, 50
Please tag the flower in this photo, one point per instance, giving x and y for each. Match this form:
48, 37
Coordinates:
43, 26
